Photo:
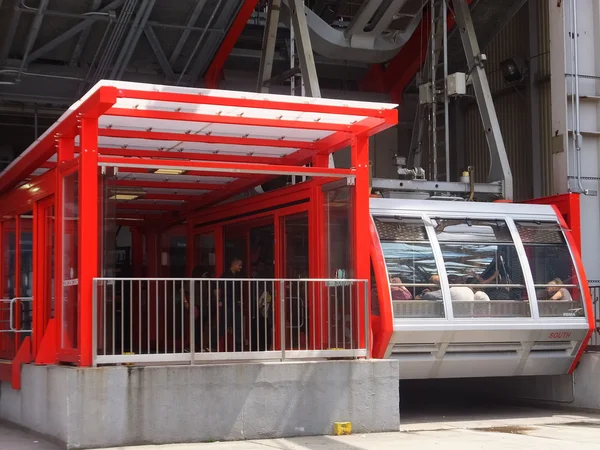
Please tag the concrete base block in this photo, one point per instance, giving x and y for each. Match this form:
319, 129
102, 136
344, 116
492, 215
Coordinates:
117, 406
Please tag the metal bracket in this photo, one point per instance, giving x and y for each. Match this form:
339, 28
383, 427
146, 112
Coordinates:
435, 186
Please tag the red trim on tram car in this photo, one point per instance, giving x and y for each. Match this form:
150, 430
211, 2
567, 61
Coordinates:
585, 290
382, 325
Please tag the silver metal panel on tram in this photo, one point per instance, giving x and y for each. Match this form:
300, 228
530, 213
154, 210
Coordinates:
479, 289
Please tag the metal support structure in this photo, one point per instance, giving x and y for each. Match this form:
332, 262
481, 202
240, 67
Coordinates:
499, 168
305, 53
435, 186
32, 35
195, 72
159, 52
10, 34
185, 34
88, 232
132, 39
83, 37
265, 69
81, 26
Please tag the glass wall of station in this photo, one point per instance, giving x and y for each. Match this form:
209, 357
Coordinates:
477, 267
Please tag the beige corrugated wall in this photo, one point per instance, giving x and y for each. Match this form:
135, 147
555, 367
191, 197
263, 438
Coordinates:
512, 108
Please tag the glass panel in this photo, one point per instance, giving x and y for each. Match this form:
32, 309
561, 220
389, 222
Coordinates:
204, 256
262, 251
553, 270
338, 208
235, 247
26, 254
483, 268
24, 314
70, 269
296, 266
49, 256
414, 280
7, 284
8, 258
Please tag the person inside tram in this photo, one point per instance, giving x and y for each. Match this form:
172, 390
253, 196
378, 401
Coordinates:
229, 293
557, 292
399, 291
428, 294
480, 294
457, 293
497, 272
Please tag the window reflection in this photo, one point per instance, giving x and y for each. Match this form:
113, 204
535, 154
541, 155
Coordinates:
554, 275
414, 282
483, 268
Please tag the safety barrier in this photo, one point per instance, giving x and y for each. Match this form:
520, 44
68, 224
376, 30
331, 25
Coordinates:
168, 320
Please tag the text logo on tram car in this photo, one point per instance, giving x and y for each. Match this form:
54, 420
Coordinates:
560, 335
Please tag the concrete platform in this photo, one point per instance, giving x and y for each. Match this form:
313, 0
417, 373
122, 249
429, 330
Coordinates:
514, 428
117, 406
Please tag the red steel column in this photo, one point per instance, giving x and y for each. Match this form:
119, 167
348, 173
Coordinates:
65, 153
361, 236
89, 234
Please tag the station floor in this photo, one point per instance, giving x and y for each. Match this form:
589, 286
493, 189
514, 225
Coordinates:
472, 428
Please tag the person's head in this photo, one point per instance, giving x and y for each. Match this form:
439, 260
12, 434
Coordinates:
434, 279
395, 280
554, 285
236, 265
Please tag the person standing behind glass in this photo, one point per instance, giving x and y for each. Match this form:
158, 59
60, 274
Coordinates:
230, 294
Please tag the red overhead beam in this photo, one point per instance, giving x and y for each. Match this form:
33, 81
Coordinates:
168, 185
148, 206
199, 99
152, 196
232, 169
189, 172
228, 120
207, 139
193, 156
214, 71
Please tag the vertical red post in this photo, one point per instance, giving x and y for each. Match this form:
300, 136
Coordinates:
89, 234
318, 262
65, 153
360, 162
38, 305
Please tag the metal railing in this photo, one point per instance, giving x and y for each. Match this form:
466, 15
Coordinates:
181, 320
13, 326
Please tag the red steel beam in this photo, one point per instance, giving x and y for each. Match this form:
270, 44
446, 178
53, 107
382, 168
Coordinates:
227, 120
196, 173
189, 155
214, 71
168, 185
282, 105
148, 206
231, 168
203, 138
